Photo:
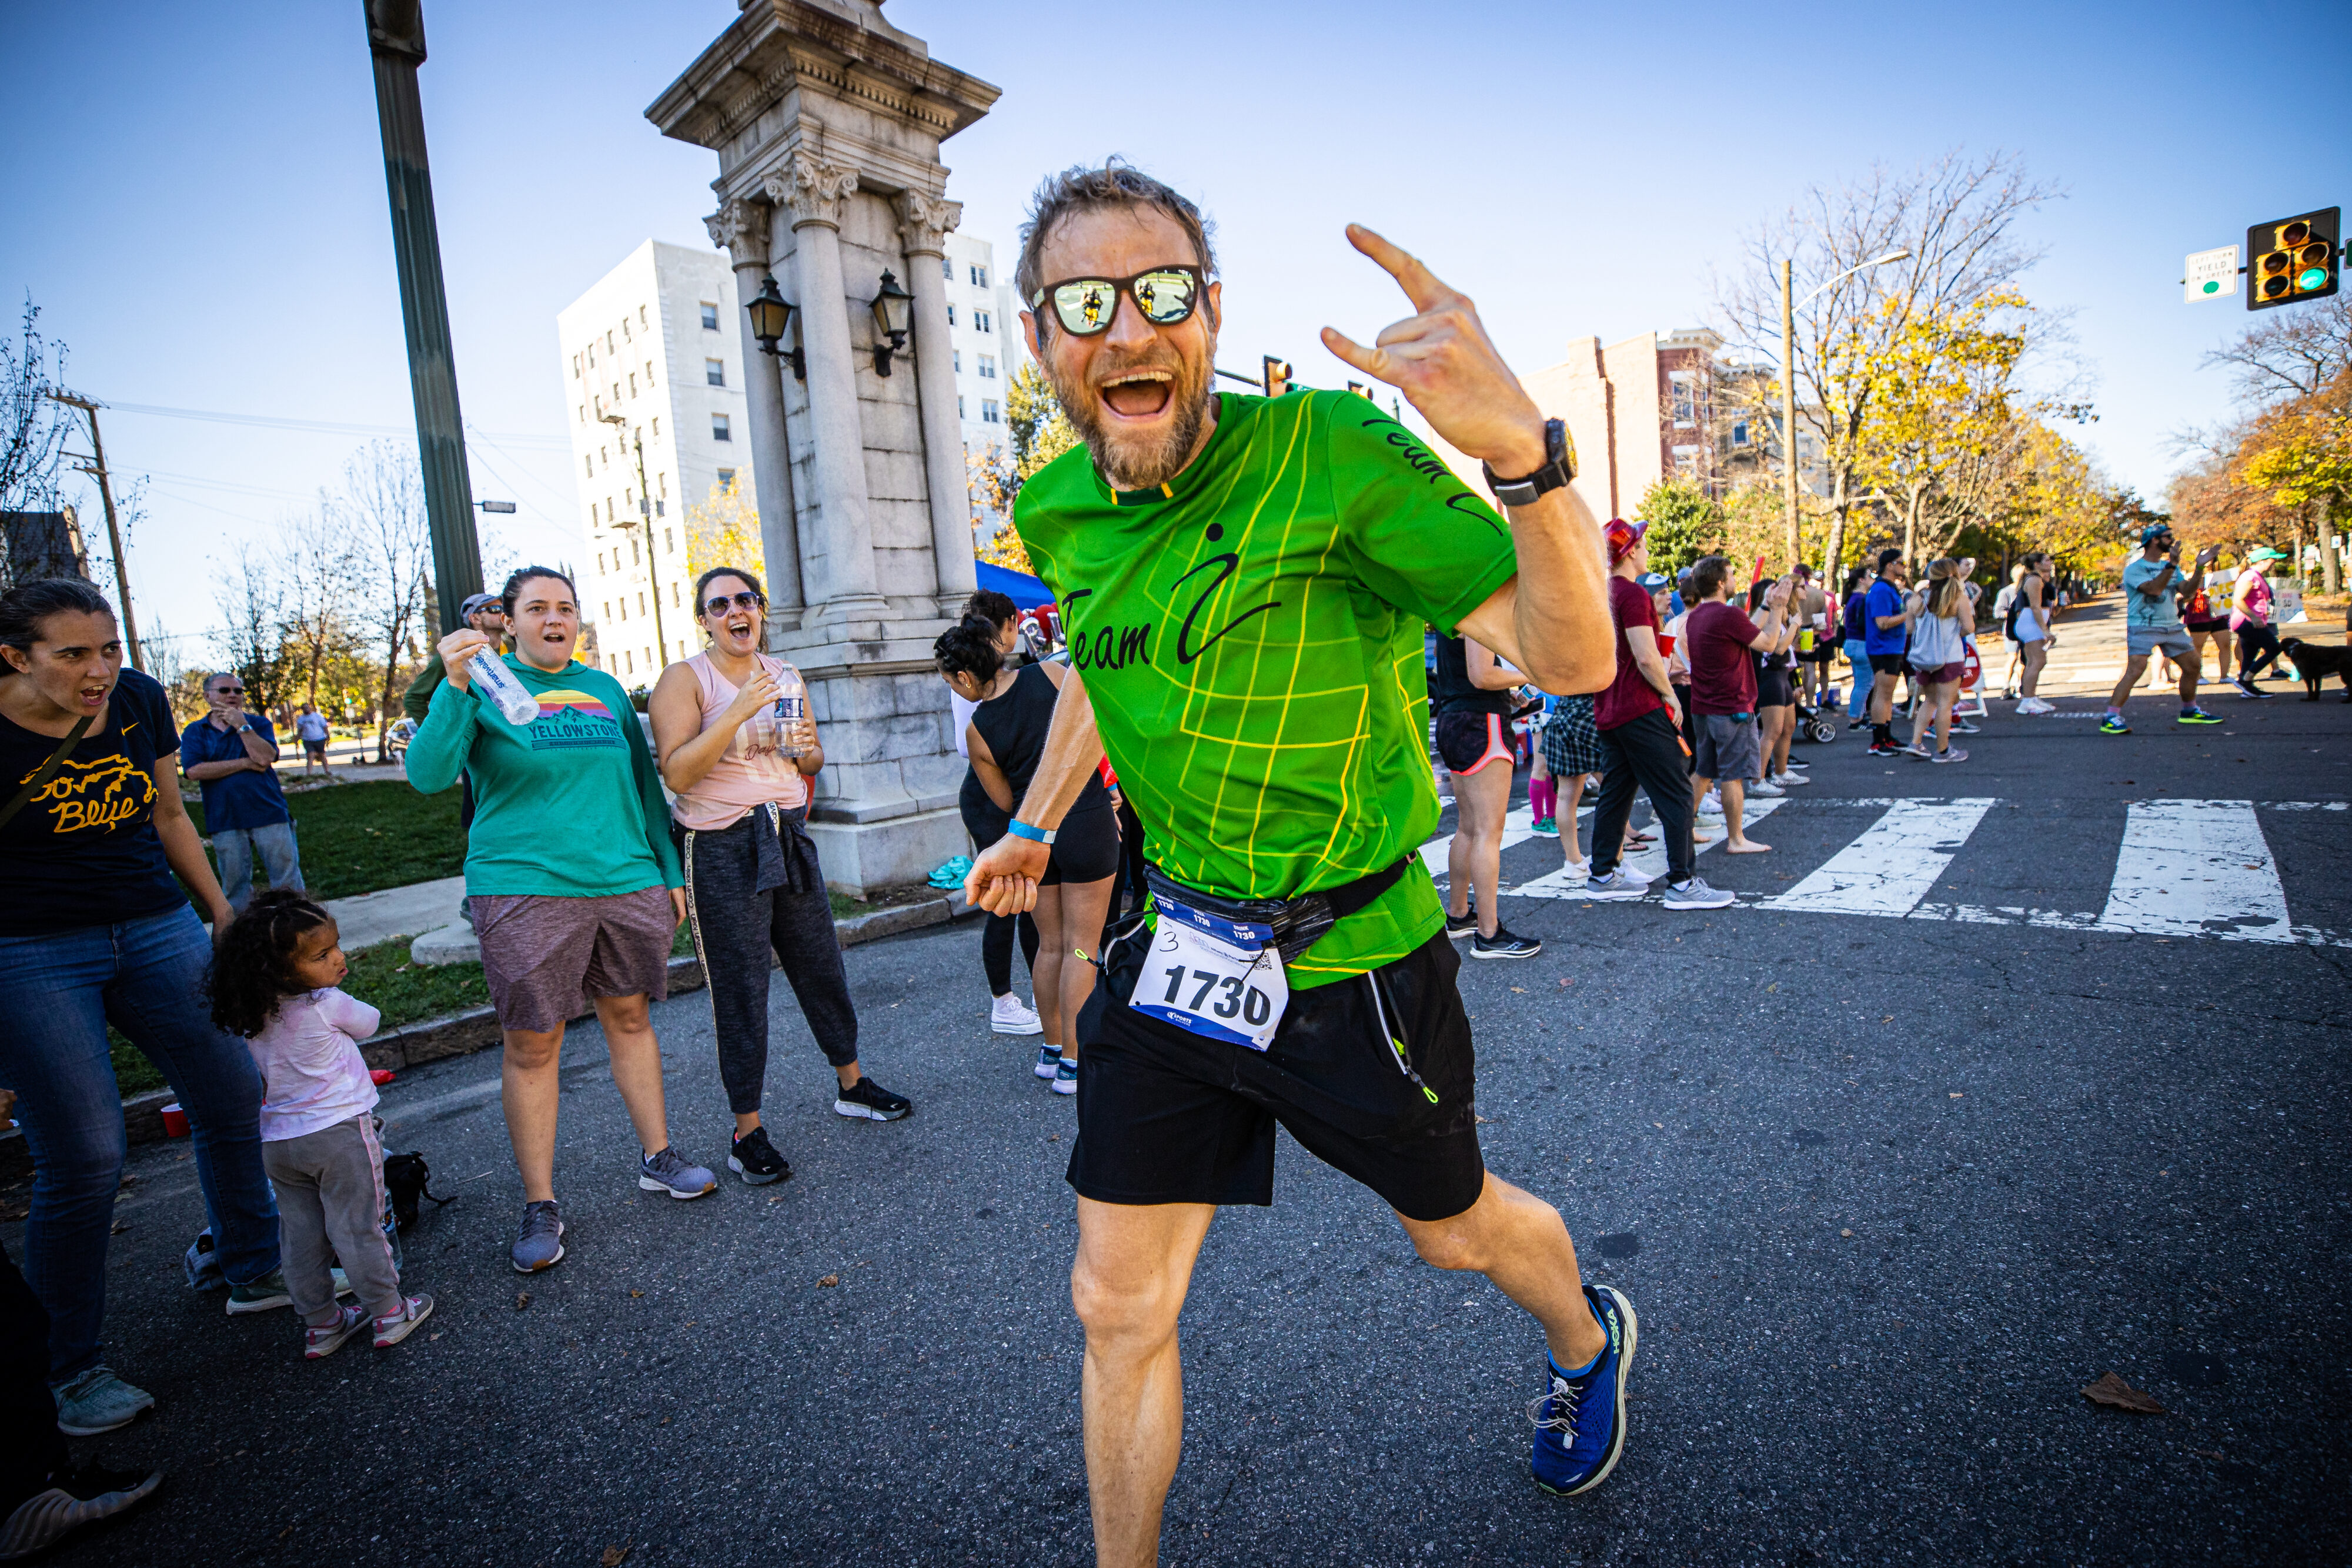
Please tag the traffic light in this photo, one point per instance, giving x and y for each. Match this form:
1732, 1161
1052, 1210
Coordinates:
2289, 260
1277, 375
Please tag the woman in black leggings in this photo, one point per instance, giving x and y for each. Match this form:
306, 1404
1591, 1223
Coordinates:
1007, 1014
1005, 739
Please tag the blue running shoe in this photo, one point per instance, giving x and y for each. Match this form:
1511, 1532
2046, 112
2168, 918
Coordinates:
2198, 716
2113, 725
1580, 1424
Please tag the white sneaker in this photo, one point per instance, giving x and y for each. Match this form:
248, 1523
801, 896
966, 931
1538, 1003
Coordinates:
1765, 788
1785, 780
1010, 1015
1712, 806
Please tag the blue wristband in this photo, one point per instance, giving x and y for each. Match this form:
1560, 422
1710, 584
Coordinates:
1021, 830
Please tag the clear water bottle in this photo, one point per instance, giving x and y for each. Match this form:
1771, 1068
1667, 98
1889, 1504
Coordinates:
791, 709
498, 683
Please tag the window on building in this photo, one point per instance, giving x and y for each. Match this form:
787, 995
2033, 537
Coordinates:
641, 316
709, 316
629, 667
649, 374
584, 414
979, 322
988, 366
674, 605
978, 276
625, 329
657, 427
641, 604
719, 430
726, 478
591, 464
960, 413
608, 508
947, 269
1685, 398
608, 610
1739, 433
1685, 459
669, 545
951, 315
600, 563
624, 607
661, 482
592, 353
633, 383
989, 413
956, 358
575, 367
715, 371
610, 347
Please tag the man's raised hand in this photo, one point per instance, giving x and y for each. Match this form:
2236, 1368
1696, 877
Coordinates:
1445, 365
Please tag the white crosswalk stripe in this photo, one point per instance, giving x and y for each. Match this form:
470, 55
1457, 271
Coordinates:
1893, 865
2182, 869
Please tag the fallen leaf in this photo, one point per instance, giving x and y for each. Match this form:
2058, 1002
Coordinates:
522, 1300
778, 1198
433, 1336
2112, 1390
1567, 982
1659, 1126
2213, 1454
829, 1280
634, 1294
119, 1227
1845, 1233
1957, 1095
1888, 1019
1480, 1118
615, 1555
1773, 987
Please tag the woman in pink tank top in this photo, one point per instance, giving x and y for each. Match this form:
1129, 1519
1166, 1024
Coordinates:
754, 883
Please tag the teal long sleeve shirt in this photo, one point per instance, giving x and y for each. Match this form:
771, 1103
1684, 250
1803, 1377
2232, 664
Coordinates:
567, 806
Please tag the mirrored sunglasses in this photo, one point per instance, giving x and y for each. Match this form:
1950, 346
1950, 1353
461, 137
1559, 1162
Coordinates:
718, 605
1085, 306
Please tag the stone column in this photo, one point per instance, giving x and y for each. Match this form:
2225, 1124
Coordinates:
923, 223
742, 227
840, 558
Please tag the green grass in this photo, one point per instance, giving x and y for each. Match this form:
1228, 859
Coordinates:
358, 838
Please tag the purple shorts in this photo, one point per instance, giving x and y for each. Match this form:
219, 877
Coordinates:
548, 959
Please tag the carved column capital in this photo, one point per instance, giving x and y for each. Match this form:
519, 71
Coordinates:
740, 228
924, 222
811, 189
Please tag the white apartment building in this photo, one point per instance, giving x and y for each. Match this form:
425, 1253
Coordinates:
986, 343
655, 342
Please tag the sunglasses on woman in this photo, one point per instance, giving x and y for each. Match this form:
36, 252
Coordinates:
1085, 306
744, 600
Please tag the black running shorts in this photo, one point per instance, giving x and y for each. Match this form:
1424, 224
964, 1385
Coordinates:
1086, 847
1887, 665
1166, 1116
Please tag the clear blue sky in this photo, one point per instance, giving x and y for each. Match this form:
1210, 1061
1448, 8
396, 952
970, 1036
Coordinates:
194, 196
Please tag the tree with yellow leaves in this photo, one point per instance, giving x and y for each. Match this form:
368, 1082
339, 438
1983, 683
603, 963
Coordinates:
2299, 455
723, 529
1040, 433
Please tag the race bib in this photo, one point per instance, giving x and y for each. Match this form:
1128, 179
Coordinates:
1215, 978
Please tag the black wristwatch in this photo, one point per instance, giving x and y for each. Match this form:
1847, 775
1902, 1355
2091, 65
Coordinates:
1559, 467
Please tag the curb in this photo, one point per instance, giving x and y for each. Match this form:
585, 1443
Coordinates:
476, 1029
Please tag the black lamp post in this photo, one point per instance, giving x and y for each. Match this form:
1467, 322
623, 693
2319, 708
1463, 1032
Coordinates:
772, 314
893, 309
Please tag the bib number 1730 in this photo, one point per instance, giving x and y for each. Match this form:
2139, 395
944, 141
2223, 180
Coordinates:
1213, 978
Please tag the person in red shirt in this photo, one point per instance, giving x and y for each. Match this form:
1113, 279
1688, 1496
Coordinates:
1637, 714
1720, 638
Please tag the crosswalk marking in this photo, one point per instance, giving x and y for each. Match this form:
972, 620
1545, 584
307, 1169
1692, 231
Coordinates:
2196, 868
1518, 827
1892, 867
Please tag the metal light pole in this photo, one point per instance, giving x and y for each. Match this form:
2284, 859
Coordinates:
1789, 390
645, 513
96, 468
397, 40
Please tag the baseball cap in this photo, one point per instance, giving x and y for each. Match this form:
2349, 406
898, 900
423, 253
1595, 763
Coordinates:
475, 601
1652, 581
2152, 532
2265, 553
1622, 537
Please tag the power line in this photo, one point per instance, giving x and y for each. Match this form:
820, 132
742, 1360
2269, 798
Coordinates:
326, 427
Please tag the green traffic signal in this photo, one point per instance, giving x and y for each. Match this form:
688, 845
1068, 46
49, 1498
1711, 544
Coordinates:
2313, 278
2293, 260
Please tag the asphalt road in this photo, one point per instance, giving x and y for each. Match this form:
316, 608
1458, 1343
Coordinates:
1887, 1192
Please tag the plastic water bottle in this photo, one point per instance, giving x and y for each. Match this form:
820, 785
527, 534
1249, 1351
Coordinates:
792, 708
498, 683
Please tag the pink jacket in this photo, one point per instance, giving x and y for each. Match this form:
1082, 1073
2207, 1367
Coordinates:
312, 1073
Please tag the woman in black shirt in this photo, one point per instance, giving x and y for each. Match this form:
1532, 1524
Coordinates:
94, 930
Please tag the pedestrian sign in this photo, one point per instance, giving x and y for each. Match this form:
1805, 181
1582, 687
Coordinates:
2211, 274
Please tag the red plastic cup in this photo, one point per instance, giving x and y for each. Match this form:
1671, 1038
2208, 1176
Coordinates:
380, 1076
175, 1122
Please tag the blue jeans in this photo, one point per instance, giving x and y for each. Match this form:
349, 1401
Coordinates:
235, 848
59, 993
1857, 653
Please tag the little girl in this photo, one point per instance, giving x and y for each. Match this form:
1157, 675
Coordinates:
274, 982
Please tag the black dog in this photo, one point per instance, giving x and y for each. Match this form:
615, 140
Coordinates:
2316, 663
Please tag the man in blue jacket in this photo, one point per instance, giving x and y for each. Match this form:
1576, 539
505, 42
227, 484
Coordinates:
233, 755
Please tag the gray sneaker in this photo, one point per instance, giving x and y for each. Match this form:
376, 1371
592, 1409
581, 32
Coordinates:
1695, 894
97, 1401
1613, 886
666, 1170
540, 1245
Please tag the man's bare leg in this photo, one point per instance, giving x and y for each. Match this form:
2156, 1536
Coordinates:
2134, 667
1134, 1266
1520, 1242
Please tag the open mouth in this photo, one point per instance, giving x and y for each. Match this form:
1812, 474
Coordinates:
1141, 394
92, 696
739, 626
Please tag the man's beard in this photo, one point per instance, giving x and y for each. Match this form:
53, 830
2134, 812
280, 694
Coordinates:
1139, 462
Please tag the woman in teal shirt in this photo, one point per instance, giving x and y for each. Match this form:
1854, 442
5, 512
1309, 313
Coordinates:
575, 887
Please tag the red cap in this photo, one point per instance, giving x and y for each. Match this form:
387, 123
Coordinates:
1622, 537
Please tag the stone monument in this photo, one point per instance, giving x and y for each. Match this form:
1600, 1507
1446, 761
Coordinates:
827, 123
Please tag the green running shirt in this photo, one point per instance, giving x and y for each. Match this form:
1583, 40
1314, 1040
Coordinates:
1251, 635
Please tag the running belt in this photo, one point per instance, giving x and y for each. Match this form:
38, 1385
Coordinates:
1298, 922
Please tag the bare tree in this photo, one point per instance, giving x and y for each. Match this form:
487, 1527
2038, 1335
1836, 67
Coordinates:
252, 639
32, 426
2292, 352
317, 583
386, 503
1956, 216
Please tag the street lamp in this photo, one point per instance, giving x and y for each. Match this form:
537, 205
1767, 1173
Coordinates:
1789, 390
893, 307
772, 313
647, 509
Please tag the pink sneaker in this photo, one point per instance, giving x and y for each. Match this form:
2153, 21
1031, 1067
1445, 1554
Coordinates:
392, 1328
319, 1341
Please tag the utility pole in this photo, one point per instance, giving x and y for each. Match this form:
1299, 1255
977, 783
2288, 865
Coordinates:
645, 513
1788, 415
96, 468
396, 41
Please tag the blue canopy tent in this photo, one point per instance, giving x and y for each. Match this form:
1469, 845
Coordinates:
1026, 592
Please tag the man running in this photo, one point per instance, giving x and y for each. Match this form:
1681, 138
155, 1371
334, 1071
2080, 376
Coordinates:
2152, 623
1244, 582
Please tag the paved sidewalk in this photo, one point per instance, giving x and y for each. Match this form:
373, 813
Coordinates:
370, 918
